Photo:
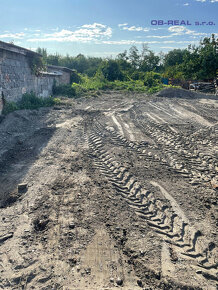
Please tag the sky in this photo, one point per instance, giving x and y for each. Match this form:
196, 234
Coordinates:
106, 27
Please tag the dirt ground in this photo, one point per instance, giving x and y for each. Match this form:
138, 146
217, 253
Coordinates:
119, 192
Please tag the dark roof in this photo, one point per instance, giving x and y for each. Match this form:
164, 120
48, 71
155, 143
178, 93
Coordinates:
16, 49
56, 67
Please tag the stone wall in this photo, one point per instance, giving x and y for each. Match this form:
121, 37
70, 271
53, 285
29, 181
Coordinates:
1, 101
16, 77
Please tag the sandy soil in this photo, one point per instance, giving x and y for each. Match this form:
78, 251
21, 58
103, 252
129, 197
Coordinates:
120, 193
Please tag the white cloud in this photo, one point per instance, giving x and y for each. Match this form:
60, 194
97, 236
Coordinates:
159, 36
134, 28
13, 35
177, 29
122, 42
132, 42
85, 33
186, 4
167, 47
211, 1
125, 26
182, 30
94, 25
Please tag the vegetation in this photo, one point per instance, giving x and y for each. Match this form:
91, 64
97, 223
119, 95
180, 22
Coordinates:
139, 71
29, 101
136, 70
64, 90
36, 64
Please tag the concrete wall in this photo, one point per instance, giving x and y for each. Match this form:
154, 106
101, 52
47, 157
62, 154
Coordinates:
16, 77
65, 73
65, 78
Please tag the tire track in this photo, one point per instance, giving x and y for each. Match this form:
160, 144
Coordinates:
163, 217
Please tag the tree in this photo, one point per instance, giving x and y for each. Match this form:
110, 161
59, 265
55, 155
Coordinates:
150, 61
134, 57
208, 57
111, 70
174, 57
201, 62
53, 59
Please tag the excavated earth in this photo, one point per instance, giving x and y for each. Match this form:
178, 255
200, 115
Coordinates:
117, 191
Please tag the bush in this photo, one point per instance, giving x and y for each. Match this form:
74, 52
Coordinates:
111, 70
138, 75
152, 79
64, 90
75, 77
79, 89
9, 107
98, 82
29, 101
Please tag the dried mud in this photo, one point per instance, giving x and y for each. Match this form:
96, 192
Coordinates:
121, 193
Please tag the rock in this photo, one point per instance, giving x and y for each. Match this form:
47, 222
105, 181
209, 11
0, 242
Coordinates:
198, 272
71, 225
194, 182
40, 225
119, 281
178, 166
6, 237
72, 261
112, 280
139, 282
22, 187
88, 271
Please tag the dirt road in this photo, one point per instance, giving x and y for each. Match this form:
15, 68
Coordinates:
120, 193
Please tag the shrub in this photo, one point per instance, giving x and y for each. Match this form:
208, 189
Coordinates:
152, 79
138, 75
111, 70
9, 107
29, 101
75, 77
64, 90
79, 89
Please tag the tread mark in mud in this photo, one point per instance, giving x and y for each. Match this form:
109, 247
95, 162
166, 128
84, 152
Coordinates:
160, 217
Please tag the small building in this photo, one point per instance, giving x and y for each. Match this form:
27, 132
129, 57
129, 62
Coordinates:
64, 72
18, 74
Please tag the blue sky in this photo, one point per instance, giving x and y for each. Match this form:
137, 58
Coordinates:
106, 27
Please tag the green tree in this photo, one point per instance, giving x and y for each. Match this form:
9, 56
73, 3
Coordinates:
150, 62
134, 57
111, 70
174, 57
208, 57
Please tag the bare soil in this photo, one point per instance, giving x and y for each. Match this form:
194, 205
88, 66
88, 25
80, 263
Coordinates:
120, 193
